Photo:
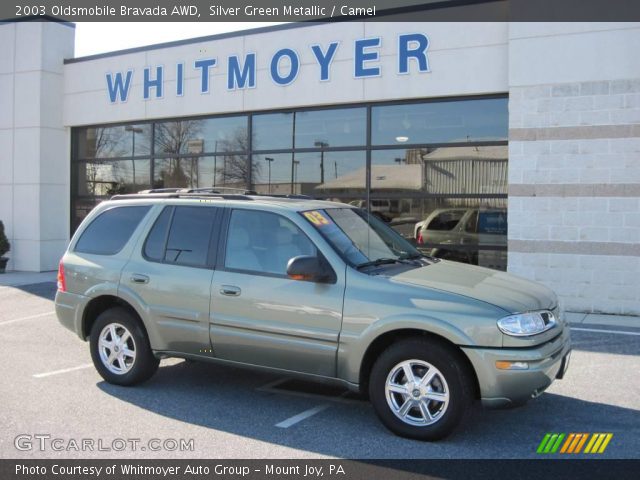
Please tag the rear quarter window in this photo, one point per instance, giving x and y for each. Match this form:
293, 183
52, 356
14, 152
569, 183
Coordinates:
110, 231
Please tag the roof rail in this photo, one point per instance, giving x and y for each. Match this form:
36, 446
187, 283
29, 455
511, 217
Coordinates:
204, 192
158, 190
239, 191
144, 194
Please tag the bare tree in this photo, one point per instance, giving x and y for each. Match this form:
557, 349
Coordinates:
236, 168
173, 137
107, 142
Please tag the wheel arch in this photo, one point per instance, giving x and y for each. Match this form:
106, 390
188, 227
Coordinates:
386, 339
100, 304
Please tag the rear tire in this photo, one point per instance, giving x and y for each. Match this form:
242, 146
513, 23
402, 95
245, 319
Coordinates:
420, 389
120, 348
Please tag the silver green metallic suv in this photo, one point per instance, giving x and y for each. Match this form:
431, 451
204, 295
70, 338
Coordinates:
309, 288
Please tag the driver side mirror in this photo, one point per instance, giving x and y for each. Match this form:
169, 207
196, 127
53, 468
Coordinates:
310, 269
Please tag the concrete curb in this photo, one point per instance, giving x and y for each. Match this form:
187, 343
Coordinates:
575, 318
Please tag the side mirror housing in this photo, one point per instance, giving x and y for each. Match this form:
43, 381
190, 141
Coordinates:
310, 269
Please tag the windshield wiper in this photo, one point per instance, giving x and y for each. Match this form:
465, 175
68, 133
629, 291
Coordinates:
380, 261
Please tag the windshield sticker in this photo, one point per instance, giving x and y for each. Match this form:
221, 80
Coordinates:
316, 218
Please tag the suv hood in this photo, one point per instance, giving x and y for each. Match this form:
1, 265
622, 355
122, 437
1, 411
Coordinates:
509, 292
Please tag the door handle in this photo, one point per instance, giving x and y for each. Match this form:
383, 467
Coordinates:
230, 290
139, 278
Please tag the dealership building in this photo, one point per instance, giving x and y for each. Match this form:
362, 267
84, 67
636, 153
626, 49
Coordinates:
519, 143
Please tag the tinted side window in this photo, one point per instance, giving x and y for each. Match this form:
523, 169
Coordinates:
155, 243
264, 242
110, 231
188, 242
445, 221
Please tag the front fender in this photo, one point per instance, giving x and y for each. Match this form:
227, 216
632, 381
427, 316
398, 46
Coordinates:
352, 348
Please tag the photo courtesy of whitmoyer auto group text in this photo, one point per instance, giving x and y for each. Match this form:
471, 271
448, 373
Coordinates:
341, 239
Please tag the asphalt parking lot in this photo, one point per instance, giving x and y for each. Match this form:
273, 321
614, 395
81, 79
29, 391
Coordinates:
50, 388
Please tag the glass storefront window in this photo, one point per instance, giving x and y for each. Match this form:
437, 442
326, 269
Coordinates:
111, 177
197, 136
438, 172
272, 131
275, 173
230, 171
339, 176
176, 172
114, 142
437, 197
318, 174
456, 121
342, 127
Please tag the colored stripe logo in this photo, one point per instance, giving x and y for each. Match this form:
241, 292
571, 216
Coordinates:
574, 443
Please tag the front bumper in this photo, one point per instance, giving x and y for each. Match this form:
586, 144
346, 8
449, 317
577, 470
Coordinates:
503, 388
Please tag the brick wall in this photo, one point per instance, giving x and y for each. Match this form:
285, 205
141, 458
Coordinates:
574, 193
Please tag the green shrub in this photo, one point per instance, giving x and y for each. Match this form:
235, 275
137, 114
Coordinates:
5, 246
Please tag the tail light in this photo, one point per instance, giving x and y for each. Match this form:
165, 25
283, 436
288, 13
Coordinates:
420, 240
62, 284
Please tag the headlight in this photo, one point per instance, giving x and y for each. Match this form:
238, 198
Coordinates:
528, 323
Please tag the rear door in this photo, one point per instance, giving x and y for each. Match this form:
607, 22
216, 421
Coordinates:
171, 273
258, 314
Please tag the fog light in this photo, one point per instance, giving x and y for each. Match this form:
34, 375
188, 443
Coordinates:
504, 365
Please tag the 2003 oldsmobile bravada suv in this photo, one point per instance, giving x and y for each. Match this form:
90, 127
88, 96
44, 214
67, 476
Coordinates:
305, 287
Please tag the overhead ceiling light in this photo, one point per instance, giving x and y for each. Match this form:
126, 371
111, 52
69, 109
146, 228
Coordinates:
402, 139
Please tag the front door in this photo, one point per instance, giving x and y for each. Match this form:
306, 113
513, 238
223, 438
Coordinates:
259, 315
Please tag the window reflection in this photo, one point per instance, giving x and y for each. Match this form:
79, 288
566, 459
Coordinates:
449, 201
230, 171
440, 122
113, 142
341, 176
336, 128
176, 173
276, 174
112, 177
272, 131
227, 134
337, 175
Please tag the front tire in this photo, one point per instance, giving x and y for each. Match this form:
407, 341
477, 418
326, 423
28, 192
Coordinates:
420, 389
120, 348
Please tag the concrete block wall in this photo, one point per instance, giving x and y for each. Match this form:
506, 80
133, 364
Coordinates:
574, 169
34, 151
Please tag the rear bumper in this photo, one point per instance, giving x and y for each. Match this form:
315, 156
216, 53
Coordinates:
504, 388
69, 308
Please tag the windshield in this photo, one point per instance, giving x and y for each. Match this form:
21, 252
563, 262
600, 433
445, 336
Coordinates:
359, 237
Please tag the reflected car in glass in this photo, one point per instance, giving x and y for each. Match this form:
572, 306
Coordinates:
470, 235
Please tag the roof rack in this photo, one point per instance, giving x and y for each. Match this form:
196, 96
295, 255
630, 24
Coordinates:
205, 192
178, 194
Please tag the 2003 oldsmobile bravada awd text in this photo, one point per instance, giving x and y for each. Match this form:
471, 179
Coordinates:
311, 288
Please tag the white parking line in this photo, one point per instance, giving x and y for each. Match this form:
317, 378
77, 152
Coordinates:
617, 332
27, 318
302, 416
64, 370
